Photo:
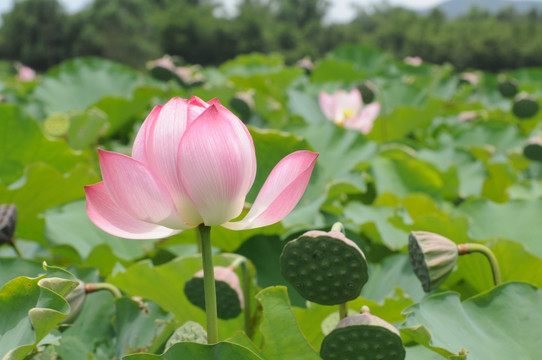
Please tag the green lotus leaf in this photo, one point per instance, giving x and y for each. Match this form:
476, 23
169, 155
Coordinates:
61, 89
31, 308
498, 324
490, 220
22, 143
282, 338
45, 187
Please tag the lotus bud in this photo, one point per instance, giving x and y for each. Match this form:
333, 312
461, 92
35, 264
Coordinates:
229, 297
525, 106
364, 336
533, 149
433, 257
324, 267
508, 87
189, 331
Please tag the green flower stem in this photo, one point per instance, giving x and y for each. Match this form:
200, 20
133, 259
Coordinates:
92, 287
204, 238
470, 248
246, 295
343, 308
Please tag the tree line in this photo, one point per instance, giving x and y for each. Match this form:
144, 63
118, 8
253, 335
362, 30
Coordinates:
40, 34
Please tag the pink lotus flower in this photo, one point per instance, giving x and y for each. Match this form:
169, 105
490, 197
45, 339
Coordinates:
346, 109
192, 162
413, 60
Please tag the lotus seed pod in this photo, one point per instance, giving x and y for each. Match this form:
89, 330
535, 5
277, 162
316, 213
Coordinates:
76, 299
368, 91
363, 336
508, 87
229, 297
324, 267
8, 221
525, 106
189, 331
533, 149
433, 257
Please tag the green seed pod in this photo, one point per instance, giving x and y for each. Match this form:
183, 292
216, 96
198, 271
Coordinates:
324, 267
525, 106
533, 149
508, 87
368, 91
8, 221
433, 257
229, 297
365, 337
189, 331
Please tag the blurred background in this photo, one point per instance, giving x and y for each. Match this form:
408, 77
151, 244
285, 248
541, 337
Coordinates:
490, 35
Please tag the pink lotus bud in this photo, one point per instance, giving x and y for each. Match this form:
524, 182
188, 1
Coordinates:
193, 162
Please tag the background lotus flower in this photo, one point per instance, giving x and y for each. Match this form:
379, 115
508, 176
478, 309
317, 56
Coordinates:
346, 109
413, 60
193, 162
25, 73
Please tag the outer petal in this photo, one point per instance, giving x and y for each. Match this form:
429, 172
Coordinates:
217, 164
281, 191
110, 218
137, 191
364, 121
327, 104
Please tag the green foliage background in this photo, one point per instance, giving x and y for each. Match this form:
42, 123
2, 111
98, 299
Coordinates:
40, 33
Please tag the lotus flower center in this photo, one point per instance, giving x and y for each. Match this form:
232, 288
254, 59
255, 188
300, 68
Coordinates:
345, 114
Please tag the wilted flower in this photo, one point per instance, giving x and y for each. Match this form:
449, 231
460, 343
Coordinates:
413, 60
193, 162
346, 109
433, 257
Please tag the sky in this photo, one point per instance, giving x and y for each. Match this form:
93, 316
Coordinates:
341, 10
